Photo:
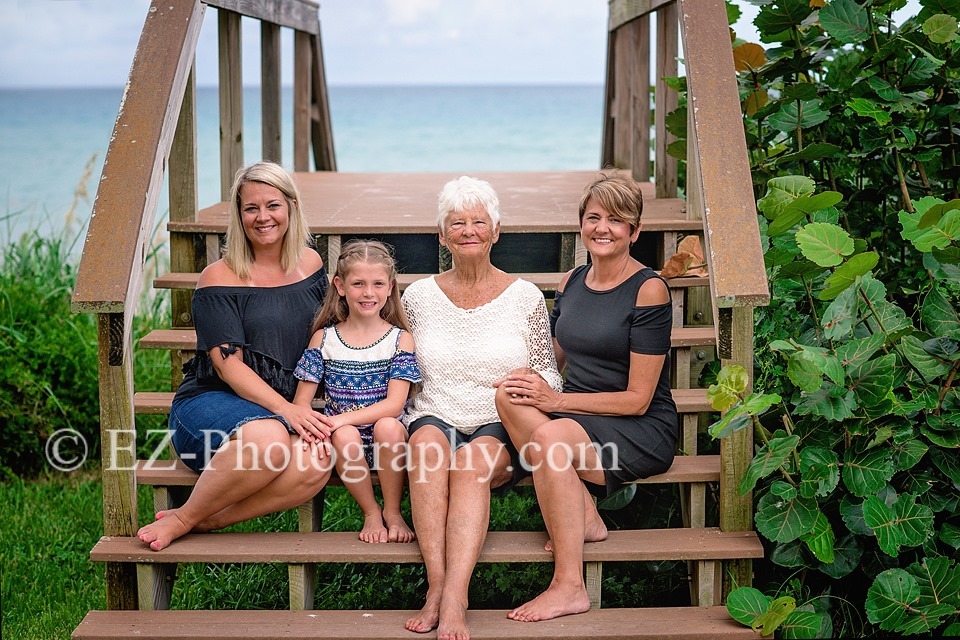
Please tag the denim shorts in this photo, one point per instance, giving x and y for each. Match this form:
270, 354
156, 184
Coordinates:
203, 423
458, 439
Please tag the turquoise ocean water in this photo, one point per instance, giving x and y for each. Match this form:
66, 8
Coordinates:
47, 136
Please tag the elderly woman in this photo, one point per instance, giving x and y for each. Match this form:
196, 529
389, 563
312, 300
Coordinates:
233, 419
615, 420
472, 325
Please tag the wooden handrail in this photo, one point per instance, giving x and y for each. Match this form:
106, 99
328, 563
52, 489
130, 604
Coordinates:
624, 11
720, 169
122, 220
300, 15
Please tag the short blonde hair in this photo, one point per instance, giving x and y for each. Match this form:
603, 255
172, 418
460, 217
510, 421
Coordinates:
237, 251
465, 193
617, 193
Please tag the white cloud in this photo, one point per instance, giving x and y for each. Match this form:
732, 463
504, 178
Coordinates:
408, 12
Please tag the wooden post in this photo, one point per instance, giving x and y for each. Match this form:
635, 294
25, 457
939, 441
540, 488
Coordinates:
231, 99
665, 100
609, 103
321, 130
736, 452
118, 441
631, 103
270, 90
302, 81
185, 255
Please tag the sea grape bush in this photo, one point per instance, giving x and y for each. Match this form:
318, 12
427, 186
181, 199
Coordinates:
852, 130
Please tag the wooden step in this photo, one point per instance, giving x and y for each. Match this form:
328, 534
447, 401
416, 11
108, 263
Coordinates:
544, 281
158, 402
186, 339
679, 623
685, 469
636, 545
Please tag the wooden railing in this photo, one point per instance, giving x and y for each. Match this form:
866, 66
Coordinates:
718, 183
155, 132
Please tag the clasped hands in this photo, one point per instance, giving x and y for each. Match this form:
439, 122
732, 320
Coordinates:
313, 427
527, 387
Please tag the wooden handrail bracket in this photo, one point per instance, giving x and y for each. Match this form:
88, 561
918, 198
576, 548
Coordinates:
623, 11
296, 14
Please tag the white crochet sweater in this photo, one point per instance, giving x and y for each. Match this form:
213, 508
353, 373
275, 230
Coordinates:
462, 351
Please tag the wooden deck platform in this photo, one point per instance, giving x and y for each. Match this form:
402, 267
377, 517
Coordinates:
394, 203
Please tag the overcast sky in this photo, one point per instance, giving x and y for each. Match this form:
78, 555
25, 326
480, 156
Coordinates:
90, 43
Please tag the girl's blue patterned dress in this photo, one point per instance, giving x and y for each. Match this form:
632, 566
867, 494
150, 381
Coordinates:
356, 377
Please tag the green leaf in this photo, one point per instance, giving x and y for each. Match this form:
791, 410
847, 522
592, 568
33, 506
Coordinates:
908, 454
803, 114
815, 151
939, 581
619, 498
824, 244
847, 273
746, 604
732, 421
769, 458
866, 473
678, 149
941, 28
947, 463
846, 21
819, 471
890, 597
936, 236
941, 431
906, 523
781, 192
731, 383
884, 89
820, 539
733, 12
950, 535
840, 317
800, 625
786, 220
846, 557
830, 402
880, 314
784, 520
784, 15
776, 613
870, 109
930, 367
852, 514
939, 316
791, 554
873, 380
856, 352
804, 373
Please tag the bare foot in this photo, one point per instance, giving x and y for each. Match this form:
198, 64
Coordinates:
556, 601
425, 621
163, 531
453, 623
397, 529
373, 529
593, 531
204, 526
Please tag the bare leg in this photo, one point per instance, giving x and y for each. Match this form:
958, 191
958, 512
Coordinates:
260, 452
429, 470
563, 449
390, 436
521, 421
478, 465
353, 470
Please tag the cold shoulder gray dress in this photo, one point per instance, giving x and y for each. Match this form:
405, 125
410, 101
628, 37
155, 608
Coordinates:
598, 330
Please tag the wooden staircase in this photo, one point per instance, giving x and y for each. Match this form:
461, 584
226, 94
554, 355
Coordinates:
539, 242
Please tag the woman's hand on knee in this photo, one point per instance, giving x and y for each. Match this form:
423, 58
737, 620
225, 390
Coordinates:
312, 426
527, 387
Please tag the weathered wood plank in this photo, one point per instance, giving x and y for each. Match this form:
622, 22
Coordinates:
129, 188
173, 473
636, 545
231, 99
665, 99
270, 91
677, 623
302, 83
321, 127
296, 14
738, 276
623, 11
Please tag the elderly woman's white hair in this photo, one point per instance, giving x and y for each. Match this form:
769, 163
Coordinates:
465, 193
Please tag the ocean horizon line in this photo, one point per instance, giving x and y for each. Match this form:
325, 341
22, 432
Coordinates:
439, 85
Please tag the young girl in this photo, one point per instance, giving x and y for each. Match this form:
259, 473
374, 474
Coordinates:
362, 352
